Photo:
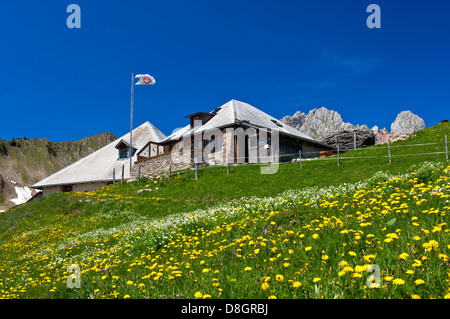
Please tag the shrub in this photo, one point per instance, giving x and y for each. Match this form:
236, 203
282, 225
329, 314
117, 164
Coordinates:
378, 177
424, 171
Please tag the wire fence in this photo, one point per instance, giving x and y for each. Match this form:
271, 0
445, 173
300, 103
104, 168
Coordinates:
302, 157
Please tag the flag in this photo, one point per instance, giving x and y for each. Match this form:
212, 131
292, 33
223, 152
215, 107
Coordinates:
145, 79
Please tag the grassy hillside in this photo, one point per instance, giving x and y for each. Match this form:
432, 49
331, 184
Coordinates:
26, 161
308, 233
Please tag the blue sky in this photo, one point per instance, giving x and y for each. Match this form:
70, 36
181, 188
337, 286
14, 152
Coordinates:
279, 56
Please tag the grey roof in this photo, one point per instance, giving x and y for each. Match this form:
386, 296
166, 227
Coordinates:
234, 112
99, 165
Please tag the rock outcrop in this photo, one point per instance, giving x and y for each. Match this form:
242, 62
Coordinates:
407, 123
318, 123
296, 121
346, 138
383, 136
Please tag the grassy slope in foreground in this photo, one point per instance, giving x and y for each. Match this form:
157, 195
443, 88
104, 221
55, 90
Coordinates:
120, 253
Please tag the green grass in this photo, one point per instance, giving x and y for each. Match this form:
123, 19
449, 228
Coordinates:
118, 236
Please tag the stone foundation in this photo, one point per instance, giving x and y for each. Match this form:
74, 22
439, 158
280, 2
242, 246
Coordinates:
160, 164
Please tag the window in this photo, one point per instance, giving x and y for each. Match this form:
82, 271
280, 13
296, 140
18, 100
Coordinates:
197, 122
123, 154
218, 144
154, 150
213, 144
67, 188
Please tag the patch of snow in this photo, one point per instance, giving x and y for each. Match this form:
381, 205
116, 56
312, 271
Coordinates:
23, 194
2, 211
14, 182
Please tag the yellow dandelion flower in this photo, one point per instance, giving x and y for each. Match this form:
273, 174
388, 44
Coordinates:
347, 269
198, 294
403, 256
398, 281
419, 282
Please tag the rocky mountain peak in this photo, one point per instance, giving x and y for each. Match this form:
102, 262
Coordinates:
318, 123
407, 123
295, 121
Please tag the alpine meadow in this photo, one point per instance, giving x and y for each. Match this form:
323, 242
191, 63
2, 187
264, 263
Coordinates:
364, 229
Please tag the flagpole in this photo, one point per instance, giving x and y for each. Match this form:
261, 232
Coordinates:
131, 121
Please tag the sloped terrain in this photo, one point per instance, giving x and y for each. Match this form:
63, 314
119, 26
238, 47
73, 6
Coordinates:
298, 233
26, 161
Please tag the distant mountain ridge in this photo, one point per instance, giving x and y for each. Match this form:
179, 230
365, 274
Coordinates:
25, 161
320, 123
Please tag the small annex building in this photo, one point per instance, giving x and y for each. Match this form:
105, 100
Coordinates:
101, 167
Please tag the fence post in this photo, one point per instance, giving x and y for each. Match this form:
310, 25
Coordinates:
123, 172
114, 175
196, 168
228, 165
389, 152
446, 148
139, 174
300, 157
354, 140
338, 155
170, 171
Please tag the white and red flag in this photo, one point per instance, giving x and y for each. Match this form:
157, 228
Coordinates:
145, 79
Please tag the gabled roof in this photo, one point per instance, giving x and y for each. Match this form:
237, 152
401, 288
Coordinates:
237, 112
124, 144
98, 166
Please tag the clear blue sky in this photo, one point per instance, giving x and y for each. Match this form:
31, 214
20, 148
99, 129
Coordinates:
279, 56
